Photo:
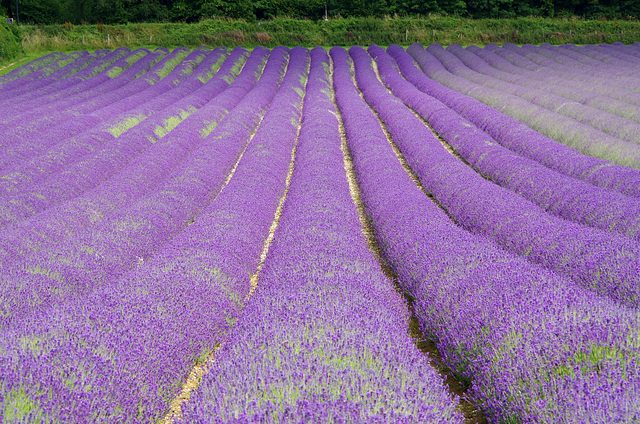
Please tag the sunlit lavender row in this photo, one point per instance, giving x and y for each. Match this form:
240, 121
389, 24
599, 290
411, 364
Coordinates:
224, 235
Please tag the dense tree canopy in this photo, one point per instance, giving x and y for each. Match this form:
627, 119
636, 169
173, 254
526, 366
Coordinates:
121, 11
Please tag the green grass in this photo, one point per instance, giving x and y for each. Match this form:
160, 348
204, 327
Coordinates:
345, 32
39, 40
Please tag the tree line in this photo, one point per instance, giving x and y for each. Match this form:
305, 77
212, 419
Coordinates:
123, 11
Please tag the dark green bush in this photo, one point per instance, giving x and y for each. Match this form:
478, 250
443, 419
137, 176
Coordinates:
9, 46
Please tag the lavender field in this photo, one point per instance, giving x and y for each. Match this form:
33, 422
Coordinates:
234, 236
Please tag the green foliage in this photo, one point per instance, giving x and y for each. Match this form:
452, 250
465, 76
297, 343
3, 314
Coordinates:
111, 12
447, 29
269, 9
41, 11
9, 46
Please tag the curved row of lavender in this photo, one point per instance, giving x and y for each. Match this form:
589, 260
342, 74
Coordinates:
24, 70
616, 100
564, 67
565, 130
138, 72
38, 110
569, 65
595, 77
118, 107
605, 262
614, 117
53, 62
520, 138
17, 104
93, 254
323, 338
554, 192
587, 55
468, 66
25, 140
95, 178
535, 346
84, 78
75, 96
55, 175
57, 71
121, 353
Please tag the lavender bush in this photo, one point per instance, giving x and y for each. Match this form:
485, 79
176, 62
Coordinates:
323, 339
536, 347
581, 136
201, 276
554, 192
168, 214
518, 137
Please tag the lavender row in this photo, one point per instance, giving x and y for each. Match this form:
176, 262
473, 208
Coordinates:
536, 347
168, 72
599, 95
607, 55
626, 50
51, 62
130, 344
114, 92
27, 140
38, 109
103, 251
584, 138
43, 73
24, 70
69, 93
41, 158
569, 65
103, 109
521, 139
324, 338
607, 123
142, 172
566, 59
598, 76
70, 69
605, 262
556, 193
620, 117
84, 79
508, 60
71, 167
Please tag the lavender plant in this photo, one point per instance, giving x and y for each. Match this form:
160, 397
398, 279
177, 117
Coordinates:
604, 262
518, 137
323, 339
556, 193
132, 342
575, 134
534, 346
